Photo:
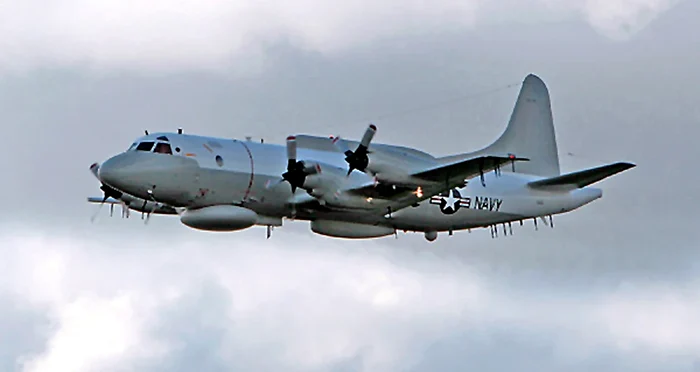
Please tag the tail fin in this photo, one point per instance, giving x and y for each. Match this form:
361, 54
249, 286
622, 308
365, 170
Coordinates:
530, 132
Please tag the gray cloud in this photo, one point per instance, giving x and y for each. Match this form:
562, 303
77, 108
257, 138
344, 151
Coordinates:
209, 35
612, 287
263, 306
24, 330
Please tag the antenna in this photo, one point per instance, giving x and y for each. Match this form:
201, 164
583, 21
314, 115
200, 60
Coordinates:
179, 130
146, 132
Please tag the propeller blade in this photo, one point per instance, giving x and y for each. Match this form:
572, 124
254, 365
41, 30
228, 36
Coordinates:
341, 145
153, 209
294, 169
143, 209
125, 210
272, 184
369, 134
99, 209
291, 152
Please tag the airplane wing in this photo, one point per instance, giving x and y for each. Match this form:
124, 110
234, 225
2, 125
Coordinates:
582, 178
432, 181
445, 176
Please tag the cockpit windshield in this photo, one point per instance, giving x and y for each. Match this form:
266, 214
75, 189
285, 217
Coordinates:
150, 146
163, 148
144, 146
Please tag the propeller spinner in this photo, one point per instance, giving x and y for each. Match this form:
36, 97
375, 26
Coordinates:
296, 170
358, 159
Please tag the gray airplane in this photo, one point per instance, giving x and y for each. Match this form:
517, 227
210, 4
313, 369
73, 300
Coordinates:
353, 189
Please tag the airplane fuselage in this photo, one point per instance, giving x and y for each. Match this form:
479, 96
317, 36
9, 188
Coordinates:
205, 171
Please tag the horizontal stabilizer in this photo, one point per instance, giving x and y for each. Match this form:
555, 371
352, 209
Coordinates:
581, 178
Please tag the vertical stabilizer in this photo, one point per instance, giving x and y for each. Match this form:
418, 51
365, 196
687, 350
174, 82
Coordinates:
530, 132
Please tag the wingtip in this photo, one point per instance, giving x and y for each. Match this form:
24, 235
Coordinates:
626, 165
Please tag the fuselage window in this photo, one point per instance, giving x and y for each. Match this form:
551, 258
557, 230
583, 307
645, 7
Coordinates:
163, 148
144, 146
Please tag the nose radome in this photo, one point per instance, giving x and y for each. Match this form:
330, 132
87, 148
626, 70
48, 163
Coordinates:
112, 170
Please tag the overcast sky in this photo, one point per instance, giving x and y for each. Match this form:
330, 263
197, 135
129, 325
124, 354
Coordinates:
613, 287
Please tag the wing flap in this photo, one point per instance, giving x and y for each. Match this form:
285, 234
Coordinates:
582, 178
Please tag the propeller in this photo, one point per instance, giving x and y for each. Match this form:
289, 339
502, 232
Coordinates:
357, 159
296, 170
153, 208
107, 193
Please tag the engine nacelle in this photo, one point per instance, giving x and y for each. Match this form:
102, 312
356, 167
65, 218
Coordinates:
219, 218
349, 230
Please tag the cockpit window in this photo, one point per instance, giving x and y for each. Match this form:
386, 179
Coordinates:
132, 147
163, 148
163, 138
144, 146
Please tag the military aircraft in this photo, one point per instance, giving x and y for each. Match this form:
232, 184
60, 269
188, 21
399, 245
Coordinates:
353, 189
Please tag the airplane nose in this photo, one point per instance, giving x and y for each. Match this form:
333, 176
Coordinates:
137, 172
113, 170
106, 171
